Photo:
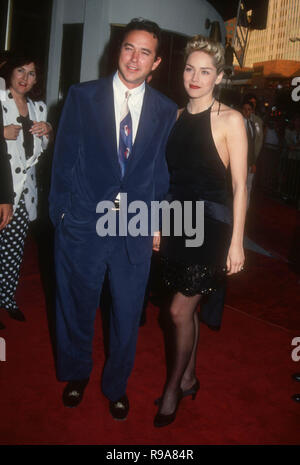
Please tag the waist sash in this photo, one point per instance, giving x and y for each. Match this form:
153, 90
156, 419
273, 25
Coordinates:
214, 210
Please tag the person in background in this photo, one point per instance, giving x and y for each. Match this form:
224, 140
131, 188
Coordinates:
258, 123
26, 134
6, 185
247, 110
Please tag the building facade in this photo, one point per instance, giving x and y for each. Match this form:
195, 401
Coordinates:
281, 38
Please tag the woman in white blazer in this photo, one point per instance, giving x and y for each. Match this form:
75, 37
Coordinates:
26, 133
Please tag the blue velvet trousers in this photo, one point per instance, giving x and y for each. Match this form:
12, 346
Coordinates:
81, 260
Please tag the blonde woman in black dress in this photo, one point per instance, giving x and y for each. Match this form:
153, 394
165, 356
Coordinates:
208, 139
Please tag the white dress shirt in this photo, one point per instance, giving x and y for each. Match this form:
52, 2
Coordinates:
135, 104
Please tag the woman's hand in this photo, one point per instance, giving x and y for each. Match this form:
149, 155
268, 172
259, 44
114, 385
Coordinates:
11, 131
6, 213
41, 128
156, 241
235, 259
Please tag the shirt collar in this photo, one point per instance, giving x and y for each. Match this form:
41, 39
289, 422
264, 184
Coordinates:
121, 88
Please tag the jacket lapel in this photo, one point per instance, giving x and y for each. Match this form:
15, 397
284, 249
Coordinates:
106, 123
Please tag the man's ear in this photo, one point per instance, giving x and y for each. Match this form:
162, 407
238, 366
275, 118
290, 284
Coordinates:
156, 63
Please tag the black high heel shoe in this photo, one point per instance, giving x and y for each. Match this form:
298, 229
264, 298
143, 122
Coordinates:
188, 392
161, 420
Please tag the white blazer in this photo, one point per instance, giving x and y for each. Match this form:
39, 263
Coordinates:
23, 171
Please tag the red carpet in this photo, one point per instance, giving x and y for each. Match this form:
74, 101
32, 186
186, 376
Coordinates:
274, 225
270, 288
244, 370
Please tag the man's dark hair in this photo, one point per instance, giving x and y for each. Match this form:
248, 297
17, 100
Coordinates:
248, 102
141, 24
249, 96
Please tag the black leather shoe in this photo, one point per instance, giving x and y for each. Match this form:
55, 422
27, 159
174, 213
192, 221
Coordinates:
2, 326
296, 397
119, 409
73, 392
16, 314
296, 376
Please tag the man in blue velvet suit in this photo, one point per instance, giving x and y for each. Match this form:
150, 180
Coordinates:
92, 165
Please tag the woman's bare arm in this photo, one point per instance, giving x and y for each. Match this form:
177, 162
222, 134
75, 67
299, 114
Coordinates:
237, 145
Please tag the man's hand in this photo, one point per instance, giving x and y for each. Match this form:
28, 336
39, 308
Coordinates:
6, 213
156, 241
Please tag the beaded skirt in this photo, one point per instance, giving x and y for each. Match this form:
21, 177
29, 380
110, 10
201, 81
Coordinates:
191, 279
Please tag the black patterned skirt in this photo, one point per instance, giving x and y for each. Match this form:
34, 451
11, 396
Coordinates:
191, 279
201, 269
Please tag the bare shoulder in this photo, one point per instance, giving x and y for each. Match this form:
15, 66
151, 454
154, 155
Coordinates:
228, 115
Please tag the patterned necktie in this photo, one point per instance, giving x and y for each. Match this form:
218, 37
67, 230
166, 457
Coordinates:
125, 140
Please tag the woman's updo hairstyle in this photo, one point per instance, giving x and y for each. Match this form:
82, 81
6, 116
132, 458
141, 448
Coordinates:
200, 43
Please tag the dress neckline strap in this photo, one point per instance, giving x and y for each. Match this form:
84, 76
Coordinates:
203, 111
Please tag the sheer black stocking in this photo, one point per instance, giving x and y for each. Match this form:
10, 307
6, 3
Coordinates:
189, 375
186, 330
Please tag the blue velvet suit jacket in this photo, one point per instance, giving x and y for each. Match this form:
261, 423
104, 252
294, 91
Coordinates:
86, 168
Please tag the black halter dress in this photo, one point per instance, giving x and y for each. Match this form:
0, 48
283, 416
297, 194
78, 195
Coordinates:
197, 173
